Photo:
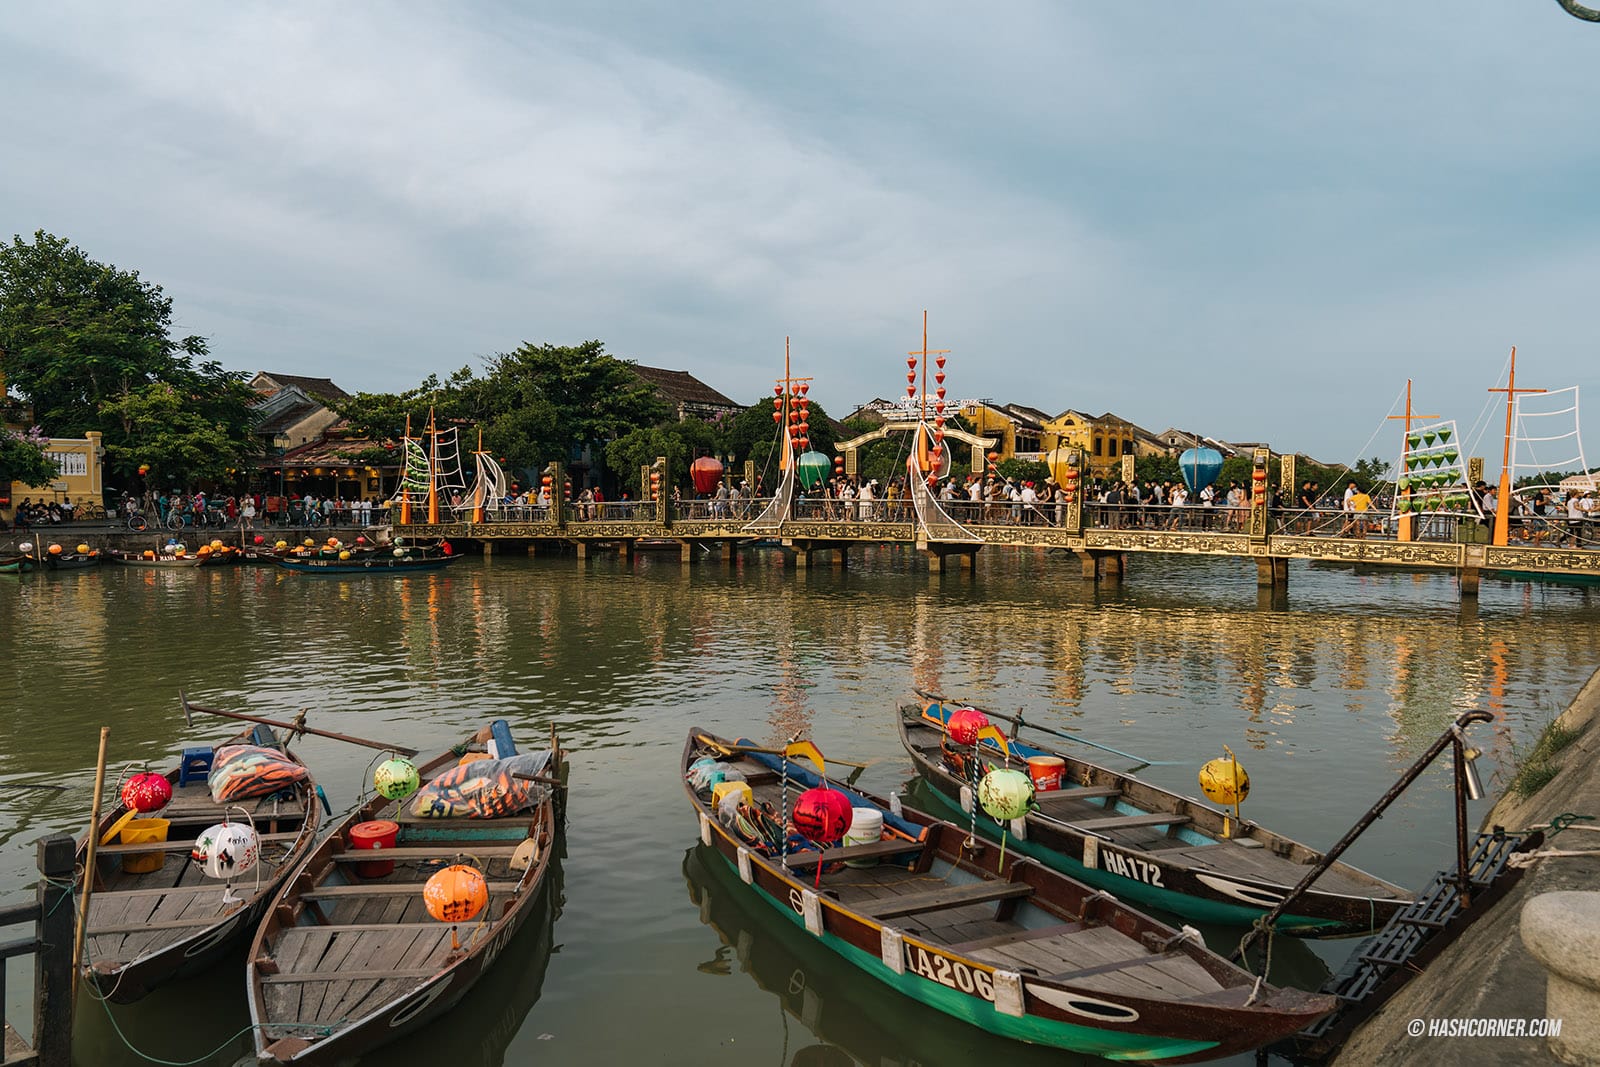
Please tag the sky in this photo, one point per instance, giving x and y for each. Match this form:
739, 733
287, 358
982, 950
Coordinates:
1253, 221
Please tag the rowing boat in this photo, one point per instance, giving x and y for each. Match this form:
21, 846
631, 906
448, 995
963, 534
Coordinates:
152, 919
16, 564
350, 959
1151, 846
72, 561
981, 933
168, 562
368, 563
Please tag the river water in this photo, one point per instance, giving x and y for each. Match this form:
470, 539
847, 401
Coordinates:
1325, 696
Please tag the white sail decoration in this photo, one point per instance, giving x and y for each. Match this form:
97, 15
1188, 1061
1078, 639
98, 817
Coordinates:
489, 487
1544, 435
935, 523
777, 511
448, 480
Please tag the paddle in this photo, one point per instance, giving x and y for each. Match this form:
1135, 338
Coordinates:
1018, 720
293, 727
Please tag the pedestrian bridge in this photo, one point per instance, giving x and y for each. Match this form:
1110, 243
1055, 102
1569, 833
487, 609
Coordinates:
951, 533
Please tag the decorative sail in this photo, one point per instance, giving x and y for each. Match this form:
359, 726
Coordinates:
935, 523
418, 475
777, 511
1433, 474
490, 485
1541, 440
448, 479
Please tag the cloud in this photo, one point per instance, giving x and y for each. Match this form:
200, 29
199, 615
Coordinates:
1207, 218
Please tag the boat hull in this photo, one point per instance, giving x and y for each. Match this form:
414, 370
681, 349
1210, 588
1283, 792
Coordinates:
391, 565
1159, 878
1012, 1004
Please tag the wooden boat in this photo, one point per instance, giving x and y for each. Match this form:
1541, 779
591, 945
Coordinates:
136, 559
16, 564
1155, 847
145, 928
349, 958
993, 937
73, 561
371, 563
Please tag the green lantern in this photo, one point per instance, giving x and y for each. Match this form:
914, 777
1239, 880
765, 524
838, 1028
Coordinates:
811, 468
396, 778
1444, 435
1006, 794
1414, 439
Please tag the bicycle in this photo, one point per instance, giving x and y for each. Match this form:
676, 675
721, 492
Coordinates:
175, 520
138, 523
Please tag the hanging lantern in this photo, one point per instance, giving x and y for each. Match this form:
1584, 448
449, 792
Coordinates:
811, 469
939, 377
706, 472
1006, 794
938, 361
227, 850
396, 779
838, 464
1224, 782
147, 792
822, 814
456, 894
777, 390
777, 414
964, 724
803, 388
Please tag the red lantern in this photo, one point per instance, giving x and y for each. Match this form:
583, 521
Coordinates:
705, 472
262, 540
964, 724
147, 792
777, 415
822, 815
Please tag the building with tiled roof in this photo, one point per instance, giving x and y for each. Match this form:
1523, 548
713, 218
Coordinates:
689, 397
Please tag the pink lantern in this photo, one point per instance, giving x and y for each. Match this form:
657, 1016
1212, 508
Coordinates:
147, 792
964, 724
706, 472
822, 814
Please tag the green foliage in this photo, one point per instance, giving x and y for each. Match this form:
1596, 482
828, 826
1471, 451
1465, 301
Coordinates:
22, 459
626, 454
752, 435
75, 333
196, 429
545, 402
1538, 765
1023, 470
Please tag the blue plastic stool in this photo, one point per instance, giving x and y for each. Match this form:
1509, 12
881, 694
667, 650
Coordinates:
195, 764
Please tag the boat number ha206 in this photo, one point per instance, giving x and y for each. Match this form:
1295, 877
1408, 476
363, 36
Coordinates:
948, 972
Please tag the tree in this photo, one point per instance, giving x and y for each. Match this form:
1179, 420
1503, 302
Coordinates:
197, 428
75, 333
547, 402
23, 459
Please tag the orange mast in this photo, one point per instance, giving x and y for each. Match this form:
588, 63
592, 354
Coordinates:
433, 469
405, 491
1502, 506
922, 417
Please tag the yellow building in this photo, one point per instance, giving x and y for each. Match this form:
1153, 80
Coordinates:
1104, 439
79, 474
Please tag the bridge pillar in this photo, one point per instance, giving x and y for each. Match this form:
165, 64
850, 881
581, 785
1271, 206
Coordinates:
488, 548
841, 557
583, 549
685, 551
533, 548
627, 550
1116, 564
1272, 572
1468, 577
1091, 565
801, 558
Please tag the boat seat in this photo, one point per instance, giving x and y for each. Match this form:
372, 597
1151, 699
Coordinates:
1067, 977
939, 899
871, 850
1086, 792
442, 853
1015, 936
1128, 822
178, 846
385, 889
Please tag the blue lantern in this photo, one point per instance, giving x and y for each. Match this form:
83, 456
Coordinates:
1199, 467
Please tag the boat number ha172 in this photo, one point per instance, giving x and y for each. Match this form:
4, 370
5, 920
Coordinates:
1127, 866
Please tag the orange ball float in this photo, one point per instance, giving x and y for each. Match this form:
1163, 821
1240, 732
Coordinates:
456, 894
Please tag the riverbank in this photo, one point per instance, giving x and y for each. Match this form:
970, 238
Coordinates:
1489, 973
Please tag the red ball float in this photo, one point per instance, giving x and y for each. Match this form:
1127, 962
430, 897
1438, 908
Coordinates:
822, 815
147, 792
964, 724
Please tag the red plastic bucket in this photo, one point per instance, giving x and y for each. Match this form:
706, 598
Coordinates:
1046, 772
378, 834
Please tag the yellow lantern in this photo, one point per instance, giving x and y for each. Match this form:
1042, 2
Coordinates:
1224, 782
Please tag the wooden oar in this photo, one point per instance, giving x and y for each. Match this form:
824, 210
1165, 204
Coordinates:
739, 750
1060, 733
293, 727
540, 778
87, 888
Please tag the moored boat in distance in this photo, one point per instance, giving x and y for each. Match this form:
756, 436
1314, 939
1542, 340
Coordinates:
1149, 845
362, 945
976, 931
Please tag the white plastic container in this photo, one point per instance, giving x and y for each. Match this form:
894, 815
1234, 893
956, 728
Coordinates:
866, 828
